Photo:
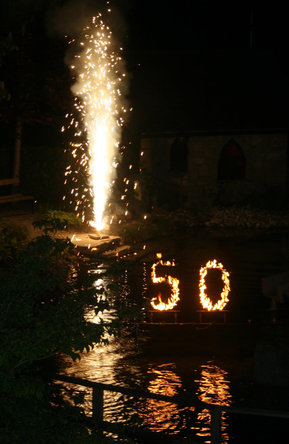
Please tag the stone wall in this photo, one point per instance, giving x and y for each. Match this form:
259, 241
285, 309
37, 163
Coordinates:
266, 169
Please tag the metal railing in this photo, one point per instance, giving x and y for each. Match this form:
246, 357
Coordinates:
216, 411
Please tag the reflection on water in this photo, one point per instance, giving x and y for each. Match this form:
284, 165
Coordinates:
118, 364
213, 388
214, 385
99, 284
222, 381
160, 415
103, 311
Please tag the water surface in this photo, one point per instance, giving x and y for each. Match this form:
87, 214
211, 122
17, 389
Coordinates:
215, 378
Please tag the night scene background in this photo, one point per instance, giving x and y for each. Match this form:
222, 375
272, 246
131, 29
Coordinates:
202, 173
191, 66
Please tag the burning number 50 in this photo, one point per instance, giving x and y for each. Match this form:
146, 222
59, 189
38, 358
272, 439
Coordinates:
173, 282
206, 302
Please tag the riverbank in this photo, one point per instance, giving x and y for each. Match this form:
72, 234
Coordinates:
219, 222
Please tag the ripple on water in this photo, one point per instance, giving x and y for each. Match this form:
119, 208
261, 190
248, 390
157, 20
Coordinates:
211, 381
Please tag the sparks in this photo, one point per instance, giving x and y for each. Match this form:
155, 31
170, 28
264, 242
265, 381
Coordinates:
98, 102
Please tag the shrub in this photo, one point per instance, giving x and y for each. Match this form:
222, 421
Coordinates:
12, 239
42, 313
53, 220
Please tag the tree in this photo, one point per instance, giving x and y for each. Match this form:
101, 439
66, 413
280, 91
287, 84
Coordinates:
43, 303
32, 73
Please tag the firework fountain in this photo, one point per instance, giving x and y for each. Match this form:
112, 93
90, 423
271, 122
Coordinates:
96, 121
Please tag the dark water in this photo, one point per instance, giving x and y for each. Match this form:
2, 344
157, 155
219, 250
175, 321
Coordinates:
174, 362
222, 381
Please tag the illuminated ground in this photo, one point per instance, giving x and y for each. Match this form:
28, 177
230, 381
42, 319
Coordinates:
88, 243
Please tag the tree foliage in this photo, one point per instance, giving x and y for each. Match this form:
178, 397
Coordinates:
43, 306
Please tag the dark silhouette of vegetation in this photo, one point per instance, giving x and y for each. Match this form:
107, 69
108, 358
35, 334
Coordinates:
43, 306
53, 220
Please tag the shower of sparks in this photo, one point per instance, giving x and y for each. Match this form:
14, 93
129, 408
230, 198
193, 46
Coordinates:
99, 79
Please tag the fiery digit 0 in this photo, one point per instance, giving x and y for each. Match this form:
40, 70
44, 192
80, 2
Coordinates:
205, 300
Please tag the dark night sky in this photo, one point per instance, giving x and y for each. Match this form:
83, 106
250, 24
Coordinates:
202, 24
194, 64
209, 65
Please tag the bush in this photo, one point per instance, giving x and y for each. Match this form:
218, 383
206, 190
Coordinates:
53, 220
12, 239
42, 313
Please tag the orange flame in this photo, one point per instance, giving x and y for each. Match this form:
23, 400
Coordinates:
173, 282
205, 300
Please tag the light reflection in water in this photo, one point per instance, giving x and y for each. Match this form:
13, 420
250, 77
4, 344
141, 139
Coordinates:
99, 365
160, 415
111, 364
101, 284
117, 363
213, 388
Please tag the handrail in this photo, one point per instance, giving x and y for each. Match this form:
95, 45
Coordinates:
10, 181
256, 412
178, 399
181, 399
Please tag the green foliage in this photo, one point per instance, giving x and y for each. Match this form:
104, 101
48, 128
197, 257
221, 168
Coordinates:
6, 46
12, 240
4, 95
44, 298
53, 220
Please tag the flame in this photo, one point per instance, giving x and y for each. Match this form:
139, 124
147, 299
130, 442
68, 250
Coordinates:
205, 300
173, 282
99, 79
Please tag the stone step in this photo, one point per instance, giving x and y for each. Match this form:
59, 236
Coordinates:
120, 251
93, 244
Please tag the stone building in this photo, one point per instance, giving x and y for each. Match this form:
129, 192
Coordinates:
198, 169
213, 115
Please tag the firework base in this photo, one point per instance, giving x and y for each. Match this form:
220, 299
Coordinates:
208, 315
165, 314
87, 244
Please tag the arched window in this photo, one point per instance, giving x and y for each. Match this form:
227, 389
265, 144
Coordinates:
179, 155
232, 162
